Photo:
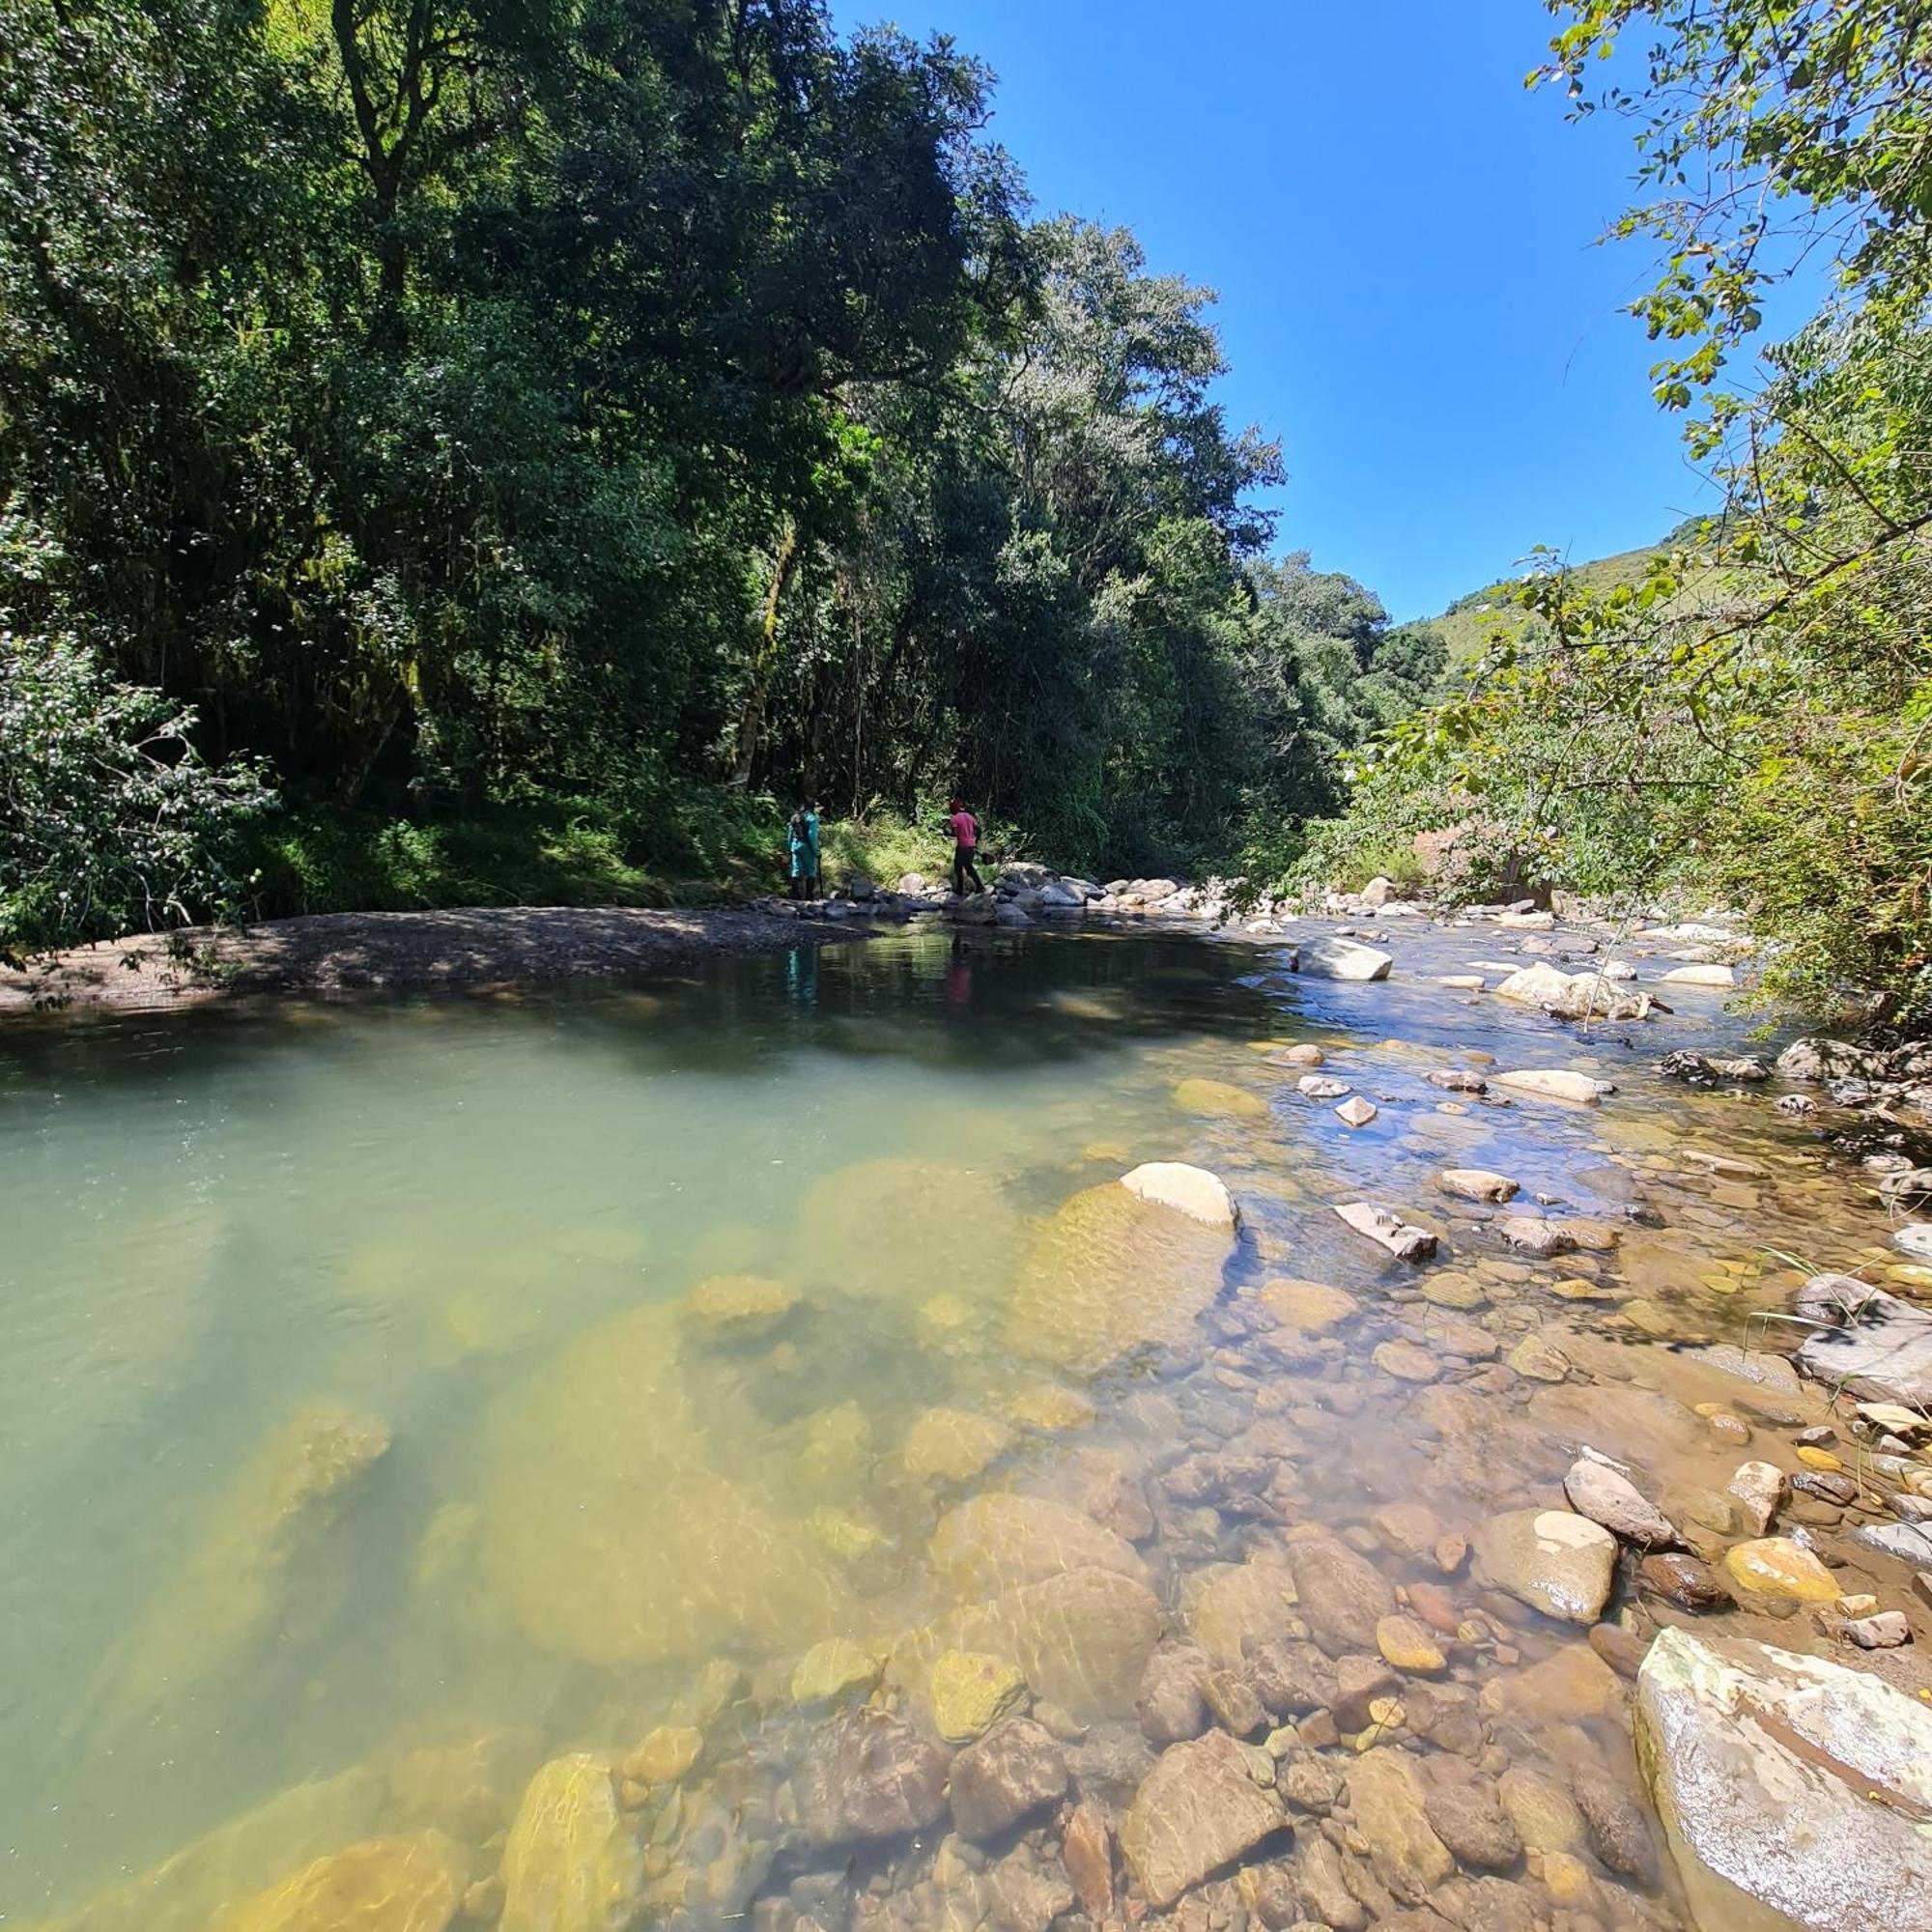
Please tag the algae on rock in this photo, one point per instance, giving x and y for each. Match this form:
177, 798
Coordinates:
238, 1574
571, 1863
1111, 1274
610, 1536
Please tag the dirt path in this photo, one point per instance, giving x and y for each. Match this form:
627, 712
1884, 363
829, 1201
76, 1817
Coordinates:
331, 954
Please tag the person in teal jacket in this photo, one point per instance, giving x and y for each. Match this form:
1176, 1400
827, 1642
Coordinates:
803, 840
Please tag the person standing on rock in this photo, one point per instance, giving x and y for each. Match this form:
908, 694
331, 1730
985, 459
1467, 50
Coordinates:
803, 836
965, 831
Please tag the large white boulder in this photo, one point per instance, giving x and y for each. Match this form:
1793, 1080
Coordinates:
1555, 1083
1188, 1190
1574, 996
1793, 1791
1704, 975
1330, 958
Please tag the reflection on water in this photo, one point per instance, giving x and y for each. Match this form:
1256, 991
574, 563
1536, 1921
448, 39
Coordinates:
397, 1399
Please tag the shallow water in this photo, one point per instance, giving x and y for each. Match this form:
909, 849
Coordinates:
353, 1412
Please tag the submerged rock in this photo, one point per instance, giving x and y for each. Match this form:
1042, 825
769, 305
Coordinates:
906, 1229
870, 1777
737, 1307
608, 1531
1390, 1802
1219, 1100
1557, 1083
235, 1580
997, 1542
1081, 1640
1236, 1605
953, 1445
1012, 1773
1556, 1562
1764, 1768
1342, 1595
1197, 1810
1111, 1274
383, 1885
1309, 1307
836, 1671
970, 1692
571, 1863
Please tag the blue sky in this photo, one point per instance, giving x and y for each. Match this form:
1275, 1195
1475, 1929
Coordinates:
1403, 241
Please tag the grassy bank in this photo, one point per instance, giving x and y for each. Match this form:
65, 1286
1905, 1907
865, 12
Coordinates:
700, 849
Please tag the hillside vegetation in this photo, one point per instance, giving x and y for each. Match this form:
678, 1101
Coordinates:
1747, 716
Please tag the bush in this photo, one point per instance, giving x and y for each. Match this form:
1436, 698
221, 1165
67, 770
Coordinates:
110, 821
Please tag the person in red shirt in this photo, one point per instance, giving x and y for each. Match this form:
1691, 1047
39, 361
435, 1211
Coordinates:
965, 830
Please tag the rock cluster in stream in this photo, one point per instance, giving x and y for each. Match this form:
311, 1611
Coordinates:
1185, 1697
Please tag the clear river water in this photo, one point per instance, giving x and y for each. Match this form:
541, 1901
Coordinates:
363, 1442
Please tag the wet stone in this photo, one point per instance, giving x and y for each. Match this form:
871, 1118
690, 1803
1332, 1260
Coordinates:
1597, 1491
1197, 1810
1779, 1568
1758, 1489
1555, 1561
1466, 1813
1234, 1704
1541, 1812
1292, 1678
1014, 1772
571, 1863
1407, 1361
1342, 1595
970, 1692
870, 1777
1173, 1699
1361, 1683
1389, 1800
1764, 1768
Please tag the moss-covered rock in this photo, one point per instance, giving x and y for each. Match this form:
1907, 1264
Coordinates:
571, 1863
609, 1532
1111, 1274
383, 1885
969, 1692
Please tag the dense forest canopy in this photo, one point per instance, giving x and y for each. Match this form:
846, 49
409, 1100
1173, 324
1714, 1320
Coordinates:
461, 449
627, 415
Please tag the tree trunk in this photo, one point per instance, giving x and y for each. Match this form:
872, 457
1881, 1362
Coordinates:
752, 719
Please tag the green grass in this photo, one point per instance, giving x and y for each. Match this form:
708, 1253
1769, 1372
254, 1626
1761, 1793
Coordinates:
1470, 625
693, 847
702, 849
883, 848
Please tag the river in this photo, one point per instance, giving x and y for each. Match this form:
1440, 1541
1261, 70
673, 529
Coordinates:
398, 1396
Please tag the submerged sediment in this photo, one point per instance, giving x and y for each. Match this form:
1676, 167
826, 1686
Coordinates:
1008, 1534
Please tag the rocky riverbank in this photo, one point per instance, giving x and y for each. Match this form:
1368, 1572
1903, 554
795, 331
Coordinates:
1392, 1495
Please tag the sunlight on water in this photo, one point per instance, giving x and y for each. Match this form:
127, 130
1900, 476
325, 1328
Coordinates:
395, 1398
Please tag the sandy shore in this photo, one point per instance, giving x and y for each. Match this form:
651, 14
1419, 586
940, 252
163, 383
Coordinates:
337, 954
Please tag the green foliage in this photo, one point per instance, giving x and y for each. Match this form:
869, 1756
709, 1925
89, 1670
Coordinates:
684, 845
1748, 714
108, 816
493, 416
1768, 134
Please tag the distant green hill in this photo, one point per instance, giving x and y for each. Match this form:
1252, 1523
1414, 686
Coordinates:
1471, 623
